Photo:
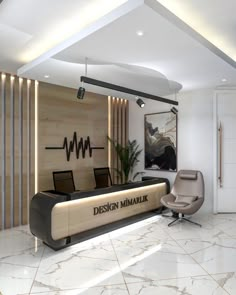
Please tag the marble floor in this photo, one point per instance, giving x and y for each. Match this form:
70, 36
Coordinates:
145, 258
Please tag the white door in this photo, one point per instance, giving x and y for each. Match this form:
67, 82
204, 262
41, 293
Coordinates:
226, 151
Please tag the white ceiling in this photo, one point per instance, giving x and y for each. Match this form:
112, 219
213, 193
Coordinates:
213, 19
55, 41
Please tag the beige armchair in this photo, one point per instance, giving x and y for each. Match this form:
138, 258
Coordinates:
186, 196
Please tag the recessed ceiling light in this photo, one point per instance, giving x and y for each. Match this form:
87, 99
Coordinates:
223, 80
46, 76
140, 33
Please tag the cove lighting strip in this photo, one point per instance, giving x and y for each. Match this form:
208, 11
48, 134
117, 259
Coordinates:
126, 90
20, 144
3, 142
28, 144
36, 119
109, 130
12, 149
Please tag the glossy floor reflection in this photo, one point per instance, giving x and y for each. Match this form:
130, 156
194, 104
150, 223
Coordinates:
140, 259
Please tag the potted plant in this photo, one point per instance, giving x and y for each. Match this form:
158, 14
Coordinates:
128, 156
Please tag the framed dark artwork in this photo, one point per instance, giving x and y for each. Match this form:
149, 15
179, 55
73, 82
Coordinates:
160, 132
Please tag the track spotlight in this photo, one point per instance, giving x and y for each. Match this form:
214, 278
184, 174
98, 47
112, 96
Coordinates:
174, 110
80, 93
119, 88
140, 102
81, 90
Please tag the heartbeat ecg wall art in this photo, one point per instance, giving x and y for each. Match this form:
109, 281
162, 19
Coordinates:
79, 146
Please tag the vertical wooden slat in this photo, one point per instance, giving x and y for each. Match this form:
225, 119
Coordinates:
112, 136
118, 166
3, 191
127, 121
12, 150
20, 196
109, 130
35, 138
118, 120
118, 133
28, 95
120, 125
8, 155
122, 122
112, 150
35, 151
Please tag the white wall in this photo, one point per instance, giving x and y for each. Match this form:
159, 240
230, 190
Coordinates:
195, 136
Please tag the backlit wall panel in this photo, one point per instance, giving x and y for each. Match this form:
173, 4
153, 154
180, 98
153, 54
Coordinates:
117, 130
16, 101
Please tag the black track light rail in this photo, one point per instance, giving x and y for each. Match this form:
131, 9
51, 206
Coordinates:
126, 90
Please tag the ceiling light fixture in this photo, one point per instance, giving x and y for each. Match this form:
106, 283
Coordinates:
140, 102
126, 90
46, 76
81, 90
174, 110
140, 33
223, 80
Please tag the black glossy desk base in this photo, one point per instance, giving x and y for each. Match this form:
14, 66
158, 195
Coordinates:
42, 205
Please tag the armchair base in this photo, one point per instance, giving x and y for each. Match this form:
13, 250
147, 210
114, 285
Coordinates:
180, 218
174, 215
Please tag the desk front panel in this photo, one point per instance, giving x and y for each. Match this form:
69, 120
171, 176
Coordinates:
72, 217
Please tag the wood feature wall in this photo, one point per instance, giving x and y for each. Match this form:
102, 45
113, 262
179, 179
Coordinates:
60, 115
118, 131
37, 115
16, 154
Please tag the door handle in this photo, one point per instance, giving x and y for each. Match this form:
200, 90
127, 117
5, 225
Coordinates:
220, 155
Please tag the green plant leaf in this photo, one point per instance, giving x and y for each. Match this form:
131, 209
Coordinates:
128, 157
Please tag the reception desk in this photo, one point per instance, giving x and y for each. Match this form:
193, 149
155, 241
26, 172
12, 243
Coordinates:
60, 219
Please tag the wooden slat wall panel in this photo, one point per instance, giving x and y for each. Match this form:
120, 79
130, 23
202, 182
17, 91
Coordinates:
60, 114
14, 196
118, 131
